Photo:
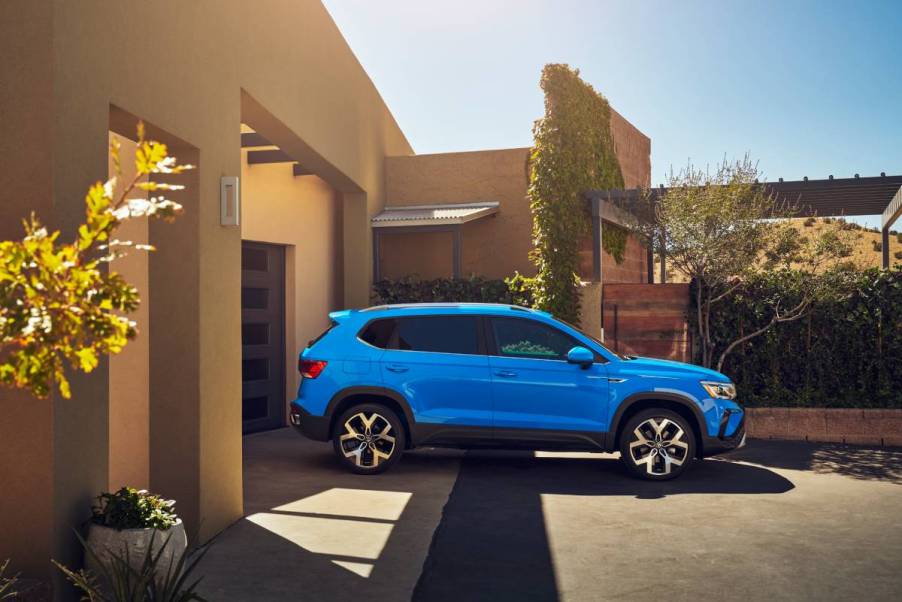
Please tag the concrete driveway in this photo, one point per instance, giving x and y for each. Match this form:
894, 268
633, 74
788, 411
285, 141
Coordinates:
776, 520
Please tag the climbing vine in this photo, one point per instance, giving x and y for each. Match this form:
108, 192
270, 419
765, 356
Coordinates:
573, 152
613, 241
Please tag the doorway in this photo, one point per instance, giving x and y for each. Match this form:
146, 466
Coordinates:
262, 336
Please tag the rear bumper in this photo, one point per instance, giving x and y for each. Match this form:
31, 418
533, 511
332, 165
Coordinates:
312, 427
721, 443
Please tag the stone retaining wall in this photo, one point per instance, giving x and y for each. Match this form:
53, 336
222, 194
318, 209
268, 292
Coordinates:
861, 427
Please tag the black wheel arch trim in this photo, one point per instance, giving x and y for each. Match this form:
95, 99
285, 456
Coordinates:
369, 390
630, 400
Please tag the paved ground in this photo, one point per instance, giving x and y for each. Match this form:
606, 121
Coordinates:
775, 520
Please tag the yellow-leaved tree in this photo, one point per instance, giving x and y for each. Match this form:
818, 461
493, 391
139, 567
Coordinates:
60, 304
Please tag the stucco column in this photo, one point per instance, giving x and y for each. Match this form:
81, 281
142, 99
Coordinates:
357, 257
53, 457
195, 347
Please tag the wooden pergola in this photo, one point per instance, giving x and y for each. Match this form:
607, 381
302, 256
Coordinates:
879, 195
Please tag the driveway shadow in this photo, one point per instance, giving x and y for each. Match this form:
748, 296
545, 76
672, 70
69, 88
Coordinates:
314, 531
492, 542
859, 462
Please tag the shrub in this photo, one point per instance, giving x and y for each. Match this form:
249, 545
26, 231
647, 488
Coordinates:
517, 290
130, 508
810, 222
898, 254
844, 353
878, 246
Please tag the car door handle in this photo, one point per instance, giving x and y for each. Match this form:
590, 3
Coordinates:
505, 373
396, 368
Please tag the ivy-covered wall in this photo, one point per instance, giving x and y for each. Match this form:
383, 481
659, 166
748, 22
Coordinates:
844, 354
573, 153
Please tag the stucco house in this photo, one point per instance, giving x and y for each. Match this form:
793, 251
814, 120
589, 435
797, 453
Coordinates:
468, 214
276, 98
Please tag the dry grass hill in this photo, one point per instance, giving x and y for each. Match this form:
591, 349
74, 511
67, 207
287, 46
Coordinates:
868, 251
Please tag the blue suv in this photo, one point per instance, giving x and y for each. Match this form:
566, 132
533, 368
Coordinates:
390, 378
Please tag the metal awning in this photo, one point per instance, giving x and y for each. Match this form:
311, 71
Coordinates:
433, 215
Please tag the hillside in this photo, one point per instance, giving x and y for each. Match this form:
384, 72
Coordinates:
867, 251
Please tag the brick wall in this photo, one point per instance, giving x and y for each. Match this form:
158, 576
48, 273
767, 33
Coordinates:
633, 268
633, 149
829, 425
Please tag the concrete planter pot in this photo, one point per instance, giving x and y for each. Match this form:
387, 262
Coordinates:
104, 541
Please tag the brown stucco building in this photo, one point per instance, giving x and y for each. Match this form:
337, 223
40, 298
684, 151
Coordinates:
274, 96
498, 243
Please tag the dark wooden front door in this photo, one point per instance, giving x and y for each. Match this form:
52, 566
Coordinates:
262, 336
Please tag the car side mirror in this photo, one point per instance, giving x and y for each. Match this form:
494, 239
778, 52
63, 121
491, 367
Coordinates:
581, 356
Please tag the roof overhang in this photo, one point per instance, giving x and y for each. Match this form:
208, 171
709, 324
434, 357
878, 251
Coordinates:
433, 215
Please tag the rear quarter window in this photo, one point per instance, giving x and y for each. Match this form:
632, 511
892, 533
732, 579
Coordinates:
378, 333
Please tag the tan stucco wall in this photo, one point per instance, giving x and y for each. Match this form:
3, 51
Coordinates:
492, 247
497, 246
301, 213
283, 67
423, 255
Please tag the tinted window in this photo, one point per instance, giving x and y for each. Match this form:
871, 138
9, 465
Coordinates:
439, 334
530, 339
379, 333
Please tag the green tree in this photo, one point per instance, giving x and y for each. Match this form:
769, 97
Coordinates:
573, 153
721, 229
59, 302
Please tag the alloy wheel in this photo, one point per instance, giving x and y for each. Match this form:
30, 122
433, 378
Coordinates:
659, 444
366, 440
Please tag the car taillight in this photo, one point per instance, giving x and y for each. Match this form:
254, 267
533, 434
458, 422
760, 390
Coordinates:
311, 368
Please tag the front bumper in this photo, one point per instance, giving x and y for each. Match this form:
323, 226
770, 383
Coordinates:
312, 427
717, 445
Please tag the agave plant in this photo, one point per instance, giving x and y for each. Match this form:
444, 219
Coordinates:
7, 583
119, 581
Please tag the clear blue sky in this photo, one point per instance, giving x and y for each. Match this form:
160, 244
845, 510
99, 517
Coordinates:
807, 88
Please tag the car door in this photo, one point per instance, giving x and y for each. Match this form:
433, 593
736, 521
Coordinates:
533, 385
438, 363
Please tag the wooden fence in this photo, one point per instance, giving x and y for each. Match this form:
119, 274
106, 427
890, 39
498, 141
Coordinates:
648, 320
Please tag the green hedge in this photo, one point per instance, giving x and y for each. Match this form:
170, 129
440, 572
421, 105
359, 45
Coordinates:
845, 353
516, 290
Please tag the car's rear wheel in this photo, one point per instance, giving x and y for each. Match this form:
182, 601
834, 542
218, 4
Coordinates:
657, 445
368, 438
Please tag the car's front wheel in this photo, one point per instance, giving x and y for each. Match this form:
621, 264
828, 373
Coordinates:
368, 438
657, 445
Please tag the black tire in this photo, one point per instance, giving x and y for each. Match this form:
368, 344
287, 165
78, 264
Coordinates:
668, 448
371, 450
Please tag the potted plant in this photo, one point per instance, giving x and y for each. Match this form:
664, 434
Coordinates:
130, 523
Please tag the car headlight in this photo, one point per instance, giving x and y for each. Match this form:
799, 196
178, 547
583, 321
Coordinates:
719, 390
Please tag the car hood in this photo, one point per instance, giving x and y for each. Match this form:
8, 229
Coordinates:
648, 366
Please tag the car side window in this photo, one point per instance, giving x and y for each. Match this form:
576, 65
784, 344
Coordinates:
379, 333
530, 339
437, 334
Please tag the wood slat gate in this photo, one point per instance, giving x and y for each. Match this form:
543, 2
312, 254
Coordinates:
648, 320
